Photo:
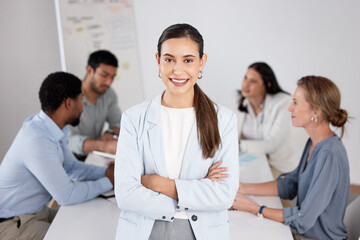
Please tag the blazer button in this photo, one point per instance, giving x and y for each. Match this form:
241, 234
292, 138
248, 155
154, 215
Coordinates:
186, 209
177, 207
163, 217
194, 218
172, 218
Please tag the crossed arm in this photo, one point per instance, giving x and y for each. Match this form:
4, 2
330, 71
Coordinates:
167, 186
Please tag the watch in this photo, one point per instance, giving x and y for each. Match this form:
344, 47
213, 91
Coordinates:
110, 131
259, 214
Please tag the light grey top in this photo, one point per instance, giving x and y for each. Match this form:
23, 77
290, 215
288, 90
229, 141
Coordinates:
322, 191
92, 120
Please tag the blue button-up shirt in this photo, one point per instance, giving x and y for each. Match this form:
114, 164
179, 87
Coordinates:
322, 190
39, 165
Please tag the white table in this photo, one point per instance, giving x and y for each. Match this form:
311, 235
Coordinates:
244, 225
97, 219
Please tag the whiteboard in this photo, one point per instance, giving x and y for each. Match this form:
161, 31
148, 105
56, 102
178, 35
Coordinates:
85, 26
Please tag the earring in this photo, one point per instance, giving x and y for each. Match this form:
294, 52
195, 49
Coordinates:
200, 75
314, 119
159, 74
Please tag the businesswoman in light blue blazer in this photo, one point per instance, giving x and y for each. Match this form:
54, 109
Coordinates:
176, 165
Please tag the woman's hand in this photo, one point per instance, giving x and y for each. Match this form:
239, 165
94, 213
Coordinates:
245, 204
242, 189
160, 184
151, 181
215, 173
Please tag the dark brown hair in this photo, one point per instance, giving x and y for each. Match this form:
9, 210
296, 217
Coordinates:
321, 93
268, 76
206, 115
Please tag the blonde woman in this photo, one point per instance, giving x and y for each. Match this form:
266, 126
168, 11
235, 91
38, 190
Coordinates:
321, 180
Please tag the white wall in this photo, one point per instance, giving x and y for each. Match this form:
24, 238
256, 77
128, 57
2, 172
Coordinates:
29, 52
296, 38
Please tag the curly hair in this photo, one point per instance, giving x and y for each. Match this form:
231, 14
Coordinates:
56, 88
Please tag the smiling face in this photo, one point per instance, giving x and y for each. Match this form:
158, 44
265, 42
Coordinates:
301, 111
179, 66
253, 85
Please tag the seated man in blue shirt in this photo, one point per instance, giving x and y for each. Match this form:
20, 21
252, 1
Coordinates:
39, 164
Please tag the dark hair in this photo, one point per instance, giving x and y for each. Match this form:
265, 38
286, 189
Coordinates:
56, 88
102, 56
268, 76
321, 93
206, 115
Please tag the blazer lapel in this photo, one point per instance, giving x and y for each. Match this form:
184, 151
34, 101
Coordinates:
156, 136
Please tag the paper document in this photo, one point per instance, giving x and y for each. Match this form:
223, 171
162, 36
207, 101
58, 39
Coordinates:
244, 157
104, 154
98, 160
109, 194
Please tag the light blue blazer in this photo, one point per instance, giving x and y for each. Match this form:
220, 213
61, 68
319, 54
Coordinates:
140, 151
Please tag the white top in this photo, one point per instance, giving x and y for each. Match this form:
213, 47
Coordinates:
280, 141
177, 124
253, 125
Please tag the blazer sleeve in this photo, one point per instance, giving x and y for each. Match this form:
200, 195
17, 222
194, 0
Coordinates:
130, 194
204, 194
280, 127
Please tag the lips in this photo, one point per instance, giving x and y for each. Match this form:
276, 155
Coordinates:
178, 81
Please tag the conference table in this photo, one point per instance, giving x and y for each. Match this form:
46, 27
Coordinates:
97, 219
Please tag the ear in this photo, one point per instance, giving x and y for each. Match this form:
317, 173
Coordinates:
68, 102
317, 112
269, 84
89, 70
157, 58
203, 61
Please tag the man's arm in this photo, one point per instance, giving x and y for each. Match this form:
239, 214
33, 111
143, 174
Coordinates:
116, 130
110, 134
90, 145
45, 162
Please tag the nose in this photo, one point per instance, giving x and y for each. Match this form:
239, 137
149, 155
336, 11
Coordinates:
178, 68
290, 108
109, 81
244, 83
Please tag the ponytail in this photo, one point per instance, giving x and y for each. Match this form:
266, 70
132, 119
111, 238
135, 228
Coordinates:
207, 123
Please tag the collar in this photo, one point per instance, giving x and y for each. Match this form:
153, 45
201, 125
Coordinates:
251, 110
154, 110
54, 129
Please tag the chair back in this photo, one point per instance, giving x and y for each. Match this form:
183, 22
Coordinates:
352, 219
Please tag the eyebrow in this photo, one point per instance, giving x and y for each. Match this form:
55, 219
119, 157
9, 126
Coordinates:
169, 55
106, 72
